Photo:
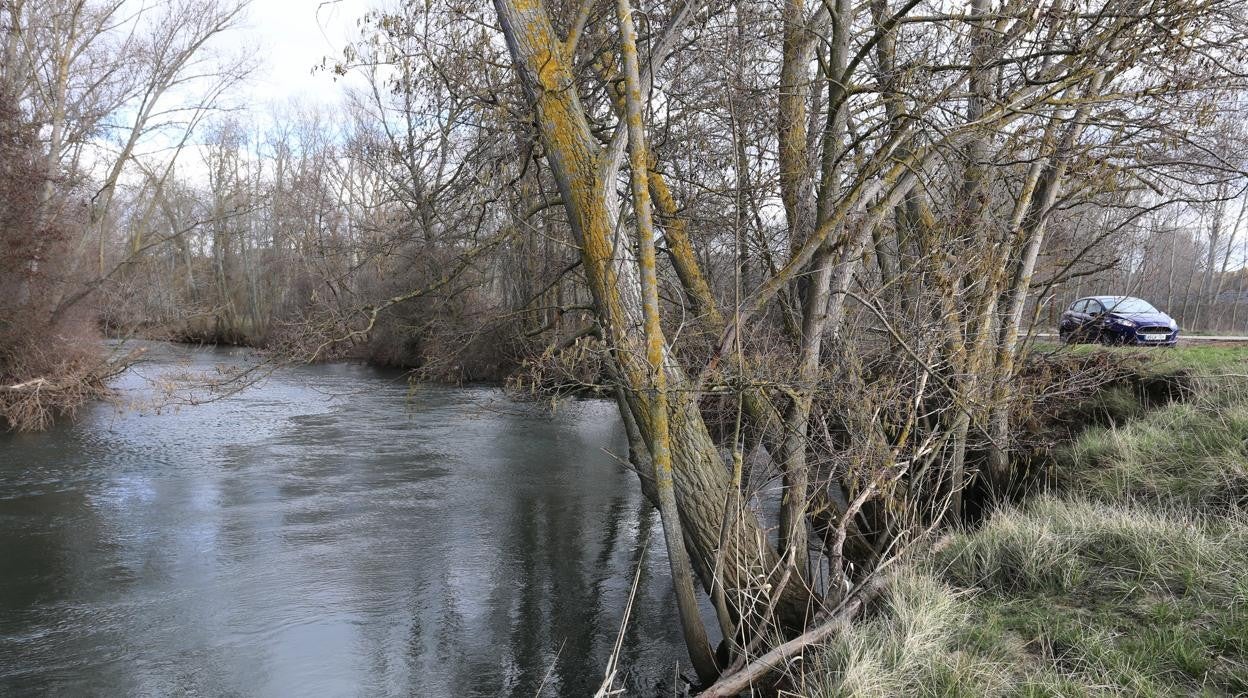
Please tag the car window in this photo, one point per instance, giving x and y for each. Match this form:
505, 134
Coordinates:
1077, 306
1094, 307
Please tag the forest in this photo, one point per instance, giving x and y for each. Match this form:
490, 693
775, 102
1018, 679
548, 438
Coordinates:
812, 248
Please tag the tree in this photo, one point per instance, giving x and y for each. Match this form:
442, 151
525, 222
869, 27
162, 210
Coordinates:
73, 69
1036, 79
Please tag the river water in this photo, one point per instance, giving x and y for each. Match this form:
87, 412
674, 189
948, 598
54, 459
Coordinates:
328, 531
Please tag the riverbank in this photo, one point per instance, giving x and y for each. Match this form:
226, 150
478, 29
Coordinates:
477, 350
1129, 574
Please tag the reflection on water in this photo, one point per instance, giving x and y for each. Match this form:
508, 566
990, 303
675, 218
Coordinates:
327, 532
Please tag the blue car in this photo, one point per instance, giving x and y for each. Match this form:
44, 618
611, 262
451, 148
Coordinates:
1117, 320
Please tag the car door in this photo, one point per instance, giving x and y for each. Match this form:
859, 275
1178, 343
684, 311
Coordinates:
1072, 318
1091, 319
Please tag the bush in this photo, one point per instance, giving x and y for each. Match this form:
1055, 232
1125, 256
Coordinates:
1132, 579
50, 359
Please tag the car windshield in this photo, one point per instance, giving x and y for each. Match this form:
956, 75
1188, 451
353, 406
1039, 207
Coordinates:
1127, 305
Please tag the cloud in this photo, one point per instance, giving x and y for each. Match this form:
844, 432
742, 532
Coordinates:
292, 38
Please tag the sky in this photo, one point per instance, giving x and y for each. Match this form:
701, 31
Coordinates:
287, 39
290, 38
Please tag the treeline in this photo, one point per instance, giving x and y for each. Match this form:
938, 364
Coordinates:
1189, 258
310, 237
90, 92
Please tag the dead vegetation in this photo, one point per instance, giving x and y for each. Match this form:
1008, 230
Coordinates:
1127, 577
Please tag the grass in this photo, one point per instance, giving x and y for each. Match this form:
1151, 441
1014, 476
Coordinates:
1200, 358
1060, 598
1204, 358
1130, 579
1193, 454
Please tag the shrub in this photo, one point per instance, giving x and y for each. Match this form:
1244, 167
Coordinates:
49, 352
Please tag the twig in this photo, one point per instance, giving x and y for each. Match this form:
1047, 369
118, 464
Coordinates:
737, 682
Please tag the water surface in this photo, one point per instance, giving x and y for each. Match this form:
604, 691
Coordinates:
327, 532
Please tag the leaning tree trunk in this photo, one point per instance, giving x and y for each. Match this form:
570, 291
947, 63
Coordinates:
1042, 193
660, 440
700, 478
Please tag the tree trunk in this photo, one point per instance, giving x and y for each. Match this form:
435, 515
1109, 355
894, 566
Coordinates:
1032, 230
660, 446
701, 480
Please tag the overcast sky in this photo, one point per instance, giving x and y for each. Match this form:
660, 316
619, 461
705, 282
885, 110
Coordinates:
288, 39
292, 37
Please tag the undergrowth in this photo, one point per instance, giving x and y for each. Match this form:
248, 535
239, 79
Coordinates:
1129, 578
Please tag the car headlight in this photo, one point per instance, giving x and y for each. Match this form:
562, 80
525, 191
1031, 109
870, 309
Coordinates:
1124, 323
1174, 325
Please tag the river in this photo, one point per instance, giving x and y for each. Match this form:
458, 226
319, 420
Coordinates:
328, 531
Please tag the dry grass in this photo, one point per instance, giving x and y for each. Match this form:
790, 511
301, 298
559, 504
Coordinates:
1194, 454
1059, 598
1132, 579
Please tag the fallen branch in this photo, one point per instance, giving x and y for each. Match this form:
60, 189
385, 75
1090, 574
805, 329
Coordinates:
741, 680
35, 383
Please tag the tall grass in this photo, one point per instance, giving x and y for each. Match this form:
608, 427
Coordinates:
1193, 454
1130, 579
1060, 597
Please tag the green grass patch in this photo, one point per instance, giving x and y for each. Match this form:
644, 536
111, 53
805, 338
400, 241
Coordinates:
1185, 358
1192, 454
1200, 358
1114, 404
